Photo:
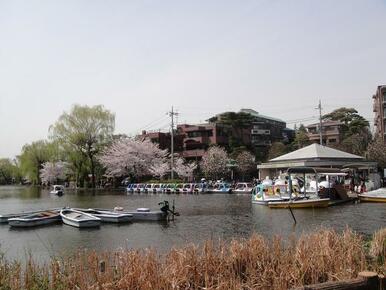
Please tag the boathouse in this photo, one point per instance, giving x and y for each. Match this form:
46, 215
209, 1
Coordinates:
315, 155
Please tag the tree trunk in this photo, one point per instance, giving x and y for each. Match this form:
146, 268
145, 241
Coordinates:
92, 171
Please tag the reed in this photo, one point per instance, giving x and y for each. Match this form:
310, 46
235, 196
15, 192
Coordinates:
253, 263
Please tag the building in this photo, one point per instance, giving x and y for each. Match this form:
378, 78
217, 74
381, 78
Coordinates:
163, 139
197, 138
191, 141
264, 130
314, 155
331, 132
379, 104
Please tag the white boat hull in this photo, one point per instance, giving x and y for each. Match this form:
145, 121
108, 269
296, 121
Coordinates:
23, 222
109, 216
4, 218
242, 191
83, 220
81, 224
146, 215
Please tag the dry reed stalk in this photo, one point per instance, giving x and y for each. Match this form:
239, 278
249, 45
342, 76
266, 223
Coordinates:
378, 250
254, 263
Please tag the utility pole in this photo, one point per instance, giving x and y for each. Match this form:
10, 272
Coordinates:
320, 122
172, 114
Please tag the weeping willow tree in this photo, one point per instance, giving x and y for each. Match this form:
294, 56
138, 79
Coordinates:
32, 158
84, 130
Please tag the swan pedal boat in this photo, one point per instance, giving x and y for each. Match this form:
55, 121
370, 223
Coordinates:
79, 219
36, 219
57, 189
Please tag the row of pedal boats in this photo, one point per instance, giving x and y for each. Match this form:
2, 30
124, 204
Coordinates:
81, 218
203, 187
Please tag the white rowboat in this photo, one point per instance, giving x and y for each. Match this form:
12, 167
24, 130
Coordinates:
79, 219
108, 216
36, 219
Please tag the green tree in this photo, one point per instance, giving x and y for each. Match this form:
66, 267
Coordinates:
301, 138
9, 172
237, 121
355, 130
353, 123
86, 130
32, 158
276, 150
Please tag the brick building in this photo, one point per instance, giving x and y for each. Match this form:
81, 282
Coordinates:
191, 141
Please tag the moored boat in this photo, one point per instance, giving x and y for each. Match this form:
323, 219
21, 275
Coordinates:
57, 189
243, 187
141, 214
5, 217
221, 187
302, 203
263, 194
378, 195
79, 219
36, 219
108, 216
297, 199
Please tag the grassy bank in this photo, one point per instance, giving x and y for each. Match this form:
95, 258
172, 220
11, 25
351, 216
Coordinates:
241, 264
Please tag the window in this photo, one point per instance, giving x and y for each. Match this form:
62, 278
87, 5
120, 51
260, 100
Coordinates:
332, 141
194, 134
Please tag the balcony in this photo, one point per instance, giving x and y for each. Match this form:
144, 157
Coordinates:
260, 132
261, 142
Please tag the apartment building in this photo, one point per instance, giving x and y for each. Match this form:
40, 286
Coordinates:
331, 132
379, 109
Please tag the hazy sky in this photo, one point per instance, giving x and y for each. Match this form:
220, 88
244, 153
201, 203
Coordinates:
138, 58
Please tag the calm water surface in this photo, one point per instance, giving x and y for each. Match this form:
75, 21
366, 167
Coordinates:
204, 216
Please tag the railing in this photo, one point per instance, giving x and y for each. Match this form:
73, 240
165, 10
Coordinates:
365, 281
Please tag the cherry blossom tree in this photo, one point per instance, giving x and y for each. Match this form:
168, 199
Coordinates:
184, 170
51, 172
245, 162
159, 170
131, 156
214, 162
377, 152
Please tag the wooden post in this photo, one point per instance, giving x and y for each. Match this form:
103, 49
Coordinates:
382, 282
371, 279
365, 281
102, 266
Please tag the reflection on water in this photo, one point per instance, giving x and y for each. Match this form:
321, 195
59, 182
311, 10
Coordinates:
205, 216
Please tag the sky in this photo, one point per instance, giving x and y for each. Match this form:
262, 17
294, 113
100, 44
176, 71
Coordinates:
140, 58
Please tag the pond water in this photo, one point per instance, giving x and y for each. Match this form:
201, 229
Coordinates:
202, 217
